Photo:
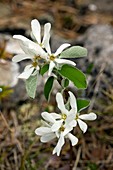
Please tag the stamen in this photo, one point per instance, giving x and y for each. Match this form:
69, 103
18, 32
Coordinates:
52, 57
35, 64
77, 116
64, 116
62, 128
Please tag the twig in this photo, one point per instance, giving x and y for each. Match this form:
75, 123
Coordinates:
77, 159
5, 122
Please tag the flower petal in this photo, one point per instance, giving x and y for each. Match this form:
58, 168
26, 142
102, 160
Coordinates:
51, 66
42, 131
27, 67
73, 139
48, 117
23, 39
61, 48
90, 116
29, 47
67, 130
60, 103
20, 57
59, 145
46, 37
64, 61
56, 125
56, 116
73, 102
36, 30
48, 137
82, 125
26, 74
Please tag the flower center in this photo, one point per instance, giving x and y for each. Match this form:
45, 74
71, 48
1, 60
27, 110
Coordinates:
52, 57
64, 116
34, 64
41, 45
35, 61
36, 58
77, 116
62, 128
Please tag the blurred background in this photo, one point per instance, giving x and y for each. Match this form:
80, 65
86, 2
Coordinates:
88, 23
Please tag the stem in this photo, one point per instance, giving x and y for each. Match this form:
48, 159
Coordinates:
71, 155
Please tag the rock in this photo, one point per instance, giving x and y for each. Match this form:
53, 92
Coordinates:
8, 73
99, 42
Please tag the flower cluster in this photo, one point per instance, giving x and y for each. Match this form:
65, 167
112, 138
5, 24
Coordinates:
39, 51
60, 125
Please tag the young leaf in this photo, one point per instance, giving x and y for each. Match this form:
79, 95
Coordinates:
74, 75
31, 85
44, 69
82, 104
48, 87
74, 52
65, 82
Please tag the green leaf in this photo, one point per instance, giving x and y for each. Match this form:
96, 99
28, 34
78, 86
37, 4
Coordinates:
82, 104
31, 86
44, 69
65, 82
74, 75
48, 87
74, 52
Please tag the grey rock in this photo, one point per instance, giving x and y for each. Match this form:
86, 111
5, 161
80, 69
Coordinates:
99, 42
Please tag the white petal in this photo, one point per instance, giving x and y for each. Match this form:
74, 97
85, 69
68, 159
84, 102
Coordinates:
44, 123
59, 145
90, 116
56, 125
73, 123
22, 38
70, 117
37, 50
51, 66
60, 103
61, 48
73, 139
36, 30
64, 61
73, 102
30, 47
20, 57
48, 117
42, 131
48, 137
67, 130
27, 67
56, 116
82, 125
46, 37
26, 74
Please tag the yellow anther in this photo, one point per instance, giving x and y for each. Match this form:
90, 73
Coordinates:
52, 57
77, 116
64, 116
35, 64
62, 128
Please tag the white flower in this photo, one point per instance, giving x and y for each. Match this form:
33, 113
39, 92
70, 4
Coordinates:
32, 50
36, 32
57, 125
77, 117
47, 133
53, 58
